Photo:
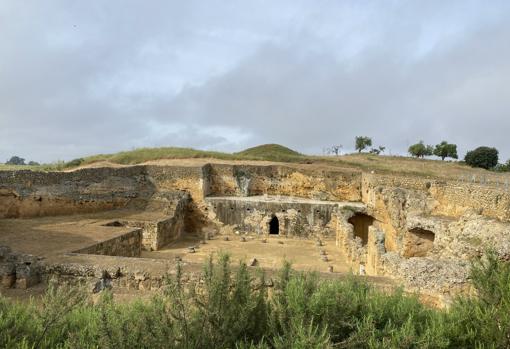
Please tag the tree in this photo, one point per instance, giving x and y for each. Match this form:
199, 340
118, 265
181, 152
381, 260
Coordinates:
362, 143
16, 160
74, 163
483, 157
420, 150
335, 149
446, 150
377, 150
502, 167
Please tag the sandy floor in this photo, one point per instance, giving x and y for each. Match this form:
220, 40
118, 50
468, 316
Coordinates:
303, 254
50, 236
54, 236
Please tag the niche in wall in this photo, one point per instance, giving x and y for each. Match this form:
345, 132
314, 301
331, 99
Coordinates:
361, 222
418, 242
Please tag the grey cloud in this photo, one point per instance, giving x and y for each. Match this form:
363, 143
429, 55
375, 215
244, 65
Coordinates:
80, 78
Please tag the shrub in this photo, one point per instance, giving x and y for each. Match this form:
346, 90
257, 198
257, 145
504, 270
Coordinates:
15, 160
231, 308
74, 163
483, 157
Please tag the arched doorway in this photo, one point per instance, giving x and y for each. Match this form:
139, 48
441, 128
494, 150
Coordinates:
274, 226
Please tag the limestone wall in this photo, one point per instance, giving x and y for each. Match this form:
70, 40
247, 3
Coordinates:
448, 198
294, 217
126, 245
30, 194
161, 232
178, 178
245, 180
18, 270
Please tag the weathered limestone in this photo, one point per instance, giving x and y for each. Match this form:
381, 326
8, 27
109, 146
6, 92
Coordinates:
127, 245
282, 215
419, 230
18, 270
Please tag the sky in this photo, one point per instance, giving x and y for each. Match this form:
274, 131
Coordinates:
84, 77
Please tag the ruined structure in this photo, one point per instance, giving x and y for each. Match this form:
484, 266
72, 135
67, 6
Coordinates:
76, 225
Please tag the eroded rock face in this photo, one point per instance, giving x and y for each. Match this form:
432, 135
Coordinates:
420, 230
431, 232
18, 270
279, 215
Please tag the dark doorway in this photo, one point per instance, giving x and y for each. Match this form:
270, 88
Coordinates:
274, 226
361, 222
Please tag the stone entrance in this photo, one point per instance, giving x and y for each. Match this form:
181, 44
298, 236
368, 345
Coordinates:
274, 226
361, 222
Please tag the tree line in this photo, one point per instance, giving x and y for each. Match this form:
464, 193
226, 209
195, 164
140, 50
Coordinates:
16, 160
481, 157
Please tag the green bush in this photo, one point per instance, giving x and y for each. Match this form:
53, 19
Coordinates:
74, 163
234, 308
483, 157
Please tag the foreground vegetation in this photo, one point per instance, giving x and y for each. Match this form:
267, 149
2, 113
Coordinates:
233, 309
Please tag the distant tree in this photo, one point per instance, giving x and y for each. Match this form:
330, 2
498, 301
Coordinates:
74, 163
483, 157
502, 167
420, 150
377, 150
362, 143
335, 149
15, 160
33, 163
446, 150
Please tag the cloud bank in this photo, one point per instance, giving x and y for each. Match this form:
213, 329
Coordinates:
79, 78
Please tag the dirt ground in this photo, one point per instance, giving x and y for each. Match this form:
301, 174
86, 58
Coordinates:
51, 236
55, 237
302, 254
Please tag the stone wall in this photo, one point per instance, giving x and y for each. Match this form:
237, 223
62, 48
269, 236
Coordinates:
245, 180
295, 217
449, 198
126, 245
30, 194
159, 233
18, 270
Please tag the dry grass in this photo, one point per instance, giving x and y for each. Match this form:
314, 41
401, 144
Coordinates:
413, 166
399, 165
44, 167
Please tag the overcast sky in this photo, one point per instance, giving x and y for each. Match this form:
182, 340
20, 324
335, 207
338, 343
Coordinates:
85, 77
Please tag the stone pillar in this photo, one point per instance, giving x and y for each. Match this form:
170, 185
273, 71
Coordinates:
7, 274
375, 249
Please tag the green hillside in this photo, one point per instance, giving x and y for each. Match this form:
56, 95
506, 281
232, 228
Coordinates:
272, 152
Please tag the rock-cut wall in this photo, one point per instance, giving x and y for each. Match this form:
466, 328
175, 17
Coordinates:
249, 180
30, 194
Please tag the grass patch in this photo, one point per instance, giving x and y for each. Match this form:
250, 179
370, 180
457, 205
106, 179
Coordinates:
395, 165
271, 152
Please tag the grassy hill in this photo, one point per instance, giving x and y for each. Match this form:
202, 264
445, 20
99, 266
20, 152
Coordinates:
271, 152
274, 152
